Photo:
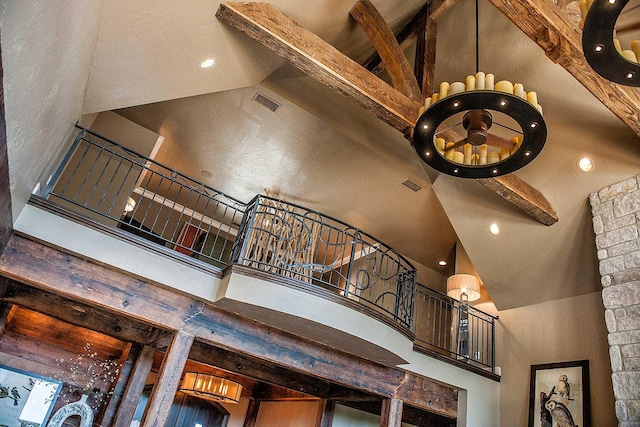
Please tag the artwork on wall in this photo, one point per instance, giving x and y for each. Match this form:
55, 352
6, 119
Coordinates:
26, 399
559, 395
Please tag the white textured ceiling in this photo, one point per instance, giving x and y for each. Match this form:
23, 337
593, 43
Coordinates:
322, 151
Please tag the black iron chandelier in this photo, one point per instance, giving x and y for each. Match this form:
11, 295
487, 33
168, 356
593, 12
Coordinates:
476, 108
602, 50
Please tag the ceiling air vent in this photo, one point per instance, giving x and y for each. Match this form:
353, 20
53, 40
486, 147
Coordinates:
412, 185
266, 102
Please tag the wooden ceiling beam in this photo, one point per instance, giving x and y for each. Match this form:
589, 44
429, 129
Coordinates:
382, 38
309, 53
275, 30
562, 43
523, 196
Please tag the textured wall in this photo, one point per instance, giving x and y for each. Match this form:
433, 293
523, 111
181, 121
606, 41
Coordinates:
616, 222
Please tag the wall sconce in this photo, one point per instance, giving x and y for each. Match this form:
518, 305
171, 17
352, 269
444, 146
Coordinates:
130, 206
463, 287
210, 387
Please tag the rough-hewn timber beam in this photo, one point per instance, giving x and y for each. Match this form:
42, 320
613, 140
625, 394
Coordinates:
562, 43
523, 196
382, 38
81, 280
306, 51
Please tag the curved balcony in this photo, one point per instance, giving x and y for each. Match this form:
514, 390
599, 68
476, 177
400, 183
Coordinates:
118, 187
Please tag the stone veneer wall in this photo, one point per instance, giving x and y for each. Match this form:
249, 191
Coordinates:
616, 222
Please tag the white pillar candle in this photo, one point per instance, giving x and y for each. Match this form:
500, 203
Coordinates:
427, 102
449, 153
493, 157
458, 157
635, 47
482, 152
480, 80
468, 151
504, 86
517, 141
518, 90
456, 87
583, 8
440, 144
629, 55
471, 83
616, 43
435, 97
532, 97
504, 153
488, 82
444, 89
421, 111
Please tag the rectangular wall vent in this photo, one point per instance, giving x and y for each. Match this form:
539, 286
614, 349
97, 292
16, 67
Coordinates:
266, 102
412, 185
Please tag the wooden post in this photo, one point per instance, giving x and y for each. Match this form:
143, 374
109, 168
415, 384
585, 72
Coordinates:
135, 387
252, 413
326, 409
166, 386
6, 313
391, 415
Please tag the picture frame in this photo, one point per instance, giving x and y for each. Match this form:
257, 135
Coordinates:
560, 391
26, 399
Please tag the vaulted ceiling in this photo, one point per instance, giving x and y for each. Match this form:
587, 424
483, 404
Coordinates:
321, 150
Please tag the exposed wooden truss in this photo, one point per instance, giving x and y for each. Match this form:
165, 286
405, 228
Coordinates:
275, 30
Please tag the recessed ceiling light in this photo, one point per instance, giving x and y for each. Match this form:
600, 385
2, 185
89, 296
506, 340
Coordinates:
207, 62
442, 262
495, 229
585, 164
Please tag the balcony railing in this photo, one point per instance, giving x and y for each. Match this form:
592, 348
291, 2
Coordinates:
296, 242
118, 187
455, 330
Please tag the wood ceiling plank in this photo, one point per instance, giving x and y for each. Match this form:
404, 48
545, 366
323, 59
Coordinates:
562, 43
306, 51
382, 38
523, 196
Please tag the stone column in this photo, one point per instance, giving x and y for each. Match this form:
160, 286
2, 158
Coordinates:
616, 223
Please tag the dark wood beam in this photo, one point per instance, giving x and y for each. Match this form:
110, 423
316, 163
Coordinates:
135, 387
251, 417
267, 25
404, 38
6, 216
523, 196
391, 415
562, 43
166, 386
382, 38
52, 270
439, 7
80, 314
425, 65
326, 410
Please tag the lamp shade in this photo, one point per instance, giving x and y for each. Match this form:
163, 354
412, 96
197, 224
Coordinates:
211, 387
459, 284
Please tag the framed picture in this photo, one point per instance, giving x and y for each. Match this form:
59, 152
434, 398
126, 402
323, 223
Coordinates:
26, 399
559, 394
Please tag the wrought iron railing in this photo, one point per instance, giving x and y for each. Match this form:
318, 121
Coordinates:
119, 187
122, 188
296, 242
453, 329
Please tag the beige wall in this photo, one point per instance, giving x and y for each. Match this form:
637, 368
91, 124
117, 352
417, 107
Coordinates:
287, 414
47, 48
556, 331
